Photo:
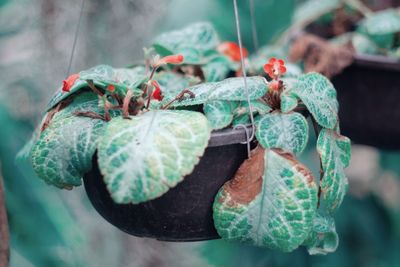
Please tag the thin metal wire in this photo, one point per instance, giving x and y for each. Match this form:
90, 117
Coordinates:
253, 25
75, 39
243, 67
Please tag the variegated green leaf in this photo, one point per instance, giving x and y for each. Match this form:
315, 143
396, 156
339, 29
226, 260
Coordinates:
103, 75
323, 238
288, 102
64, 150
219, 113
231, 89
142, 158
335, 153
271, 202
257, 106
243, 119
172, 83
381, 22
191, 42
319, 96
286, 131
381, 27
216, 70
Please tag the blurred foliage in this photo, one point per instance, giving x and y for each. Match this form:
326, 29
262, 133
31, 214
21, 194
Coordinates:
57, 228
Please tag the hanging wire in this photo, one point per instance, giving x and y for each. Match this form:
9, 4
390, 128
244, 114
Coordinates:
75, 39
243, 67
253, 25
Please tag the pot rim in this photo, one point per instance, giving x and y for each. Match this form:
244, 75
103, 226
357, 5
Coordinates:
229, 136
377, 62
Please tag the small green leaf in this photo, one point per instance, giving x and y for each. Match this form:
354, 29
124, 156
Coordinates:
319, 96
172, 83
271, 202
335, 153
231, 89
64, 150
216, 70
288, 102
191, 42
286, 131
243, 119
142, 158
257, 106
323, 238
219, 113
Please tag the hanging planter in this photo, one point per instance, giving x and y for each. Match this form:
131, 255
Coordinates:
160, 148
368, 91
359, 50
184, 213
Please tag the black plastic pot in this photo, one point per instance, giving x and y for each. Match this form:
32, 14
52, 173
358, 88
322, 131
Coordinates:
184, 213
369, 98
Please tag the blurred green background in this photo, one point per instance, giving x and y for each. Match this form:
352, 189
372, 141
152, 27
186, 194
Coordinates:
57, 228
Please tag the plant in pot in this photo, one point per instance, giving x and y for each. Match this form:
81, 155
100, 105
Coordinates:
359, 48
160, 156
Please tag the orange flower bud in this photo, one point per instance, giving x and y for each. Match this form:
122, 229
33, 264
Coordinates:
69, 82
231, 50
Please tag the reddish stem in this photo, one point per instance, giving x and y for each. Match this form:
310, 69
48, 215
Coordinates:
179, 97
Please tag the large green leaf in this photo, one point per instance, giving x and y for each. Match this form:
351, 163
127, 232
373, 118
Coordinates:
142, 158
231, 89
286, 131
64, 150
199, 37
335, 153
323, 238
172, 83
271, 202
103, 75
219, 113
319, 96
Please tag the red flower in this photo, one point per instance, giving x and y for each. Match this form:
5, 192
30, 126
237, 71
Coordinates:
157, 94
231, 50
111, 88
275, 68
69, 82
172, 59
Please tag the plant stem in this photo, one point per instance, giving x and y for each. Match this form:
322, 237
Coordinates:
93, 87
179, 97
321, 171
4, 236
125, 105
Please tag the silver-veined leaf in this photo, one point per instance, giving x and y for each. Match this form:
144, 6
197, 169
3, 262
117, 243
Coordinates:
102, 76
286, 131
63, 153
231, 89
335, 153
142, 158
219, 113
319, 96
271, 202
